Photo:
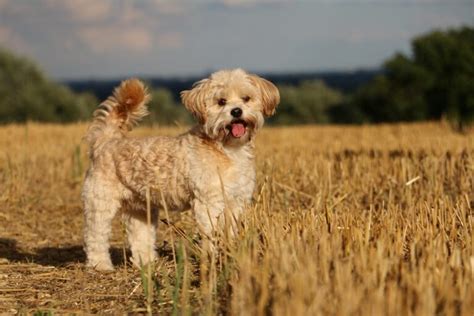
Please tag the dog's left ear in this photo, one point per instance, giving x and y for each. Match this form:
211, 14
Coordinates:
269, 92
195, 99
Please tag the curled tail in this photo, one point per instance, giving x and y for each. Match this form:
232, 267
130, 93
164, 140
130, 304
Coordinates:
119, 113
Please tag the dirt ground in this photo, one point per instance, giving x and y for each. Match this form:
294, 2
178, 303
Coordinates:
347, 221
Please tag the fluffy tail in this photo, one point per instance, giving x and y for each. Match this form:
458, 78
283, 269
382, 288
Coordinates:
119, 113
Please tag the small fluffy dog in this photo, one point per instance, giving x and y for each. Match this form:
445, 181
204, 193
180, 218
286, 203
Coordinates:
210, 168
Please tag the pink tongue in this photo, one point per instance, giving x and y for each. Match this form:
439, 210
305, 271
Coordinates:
238, 130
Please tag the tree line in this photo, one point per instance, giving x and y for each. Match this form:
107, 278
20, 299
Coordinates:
435, 81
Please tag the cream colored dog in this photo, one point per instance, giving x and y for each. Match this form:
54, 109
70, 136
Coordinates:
210, 168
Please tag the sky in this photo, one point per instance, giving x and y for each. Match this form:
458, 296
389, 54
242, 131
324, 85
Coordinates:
97, 39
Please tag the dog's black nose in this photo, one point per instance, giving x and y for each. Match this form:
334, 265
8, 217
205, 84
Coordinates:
236, 112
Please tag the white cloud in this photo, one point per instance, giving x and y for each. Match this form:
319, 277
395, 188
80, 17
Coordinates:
11, 39
171, 7
129, 13
83, 10
109, 39
3, 3
102, 26
251, 3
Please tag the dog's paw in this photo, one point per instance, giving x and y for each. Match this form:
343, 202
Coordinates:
101, 266
139, 263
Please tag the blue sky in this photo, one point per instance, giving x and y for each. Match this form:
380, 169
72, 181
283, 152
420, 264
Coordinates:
73, 39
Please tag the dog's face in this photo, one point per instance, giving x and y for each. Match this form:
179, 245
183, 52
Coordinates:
231, 105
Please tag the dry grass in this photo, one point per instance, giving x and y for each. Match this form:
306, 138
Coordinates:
348, 221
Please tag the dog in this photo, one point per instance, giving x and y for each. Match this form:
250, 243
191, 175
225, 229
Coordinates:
209, 169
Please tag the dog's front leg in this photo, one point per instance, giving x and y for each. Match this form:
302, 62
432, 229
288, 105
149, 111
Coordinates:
209, 216
217, 217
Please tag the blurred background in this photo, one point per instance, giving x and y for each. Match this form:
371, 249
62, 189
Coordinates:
335, 61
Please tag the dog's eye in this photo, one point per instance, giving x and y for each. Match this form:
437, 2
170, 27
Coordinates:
246, 99
222, 102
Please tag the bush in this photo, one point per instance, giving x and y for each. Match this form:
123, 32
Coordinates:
165, 111
307, 103
26, 94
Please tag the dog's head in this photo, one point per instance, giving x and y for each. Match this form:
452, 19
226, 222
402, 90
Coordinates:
231, 105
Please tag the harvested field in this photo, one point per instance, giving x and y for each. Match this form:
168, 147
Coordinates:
371, 220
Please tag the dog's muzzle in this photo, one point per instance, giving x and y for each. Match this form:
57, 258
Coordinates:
237, 128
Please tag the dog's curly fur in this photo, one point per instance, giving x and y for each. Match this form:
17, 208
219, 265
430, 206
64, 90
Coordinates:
210, 168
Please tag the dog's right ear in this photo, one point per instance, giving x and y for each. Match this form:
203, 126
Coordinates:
195, 99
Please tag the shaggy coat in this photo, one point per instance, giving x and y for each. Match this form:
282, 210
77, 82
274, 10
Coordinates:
209, 169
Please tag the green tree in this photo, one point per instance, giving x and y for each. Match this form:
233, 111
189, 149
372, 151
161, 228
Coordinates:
307, 103
26, 94
165, 111
437, 81
398, 95
449, 57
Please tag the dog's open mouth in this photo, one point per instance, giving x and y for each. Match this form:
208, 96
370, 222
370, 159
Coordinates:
237, 128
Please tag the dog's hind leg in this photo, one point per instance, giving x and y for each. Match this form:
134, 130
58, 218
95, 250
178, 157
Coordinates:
100, 208
141, 237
